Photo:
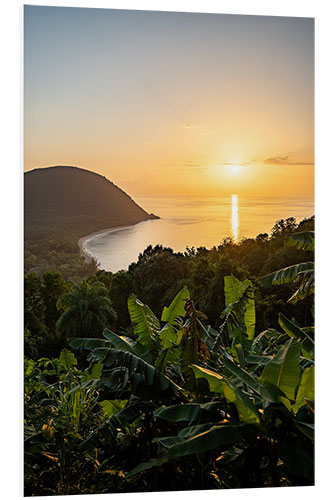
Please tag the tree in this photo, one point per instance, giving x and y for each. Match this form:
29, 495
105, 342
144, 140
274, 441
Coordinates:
87, 310
53, 287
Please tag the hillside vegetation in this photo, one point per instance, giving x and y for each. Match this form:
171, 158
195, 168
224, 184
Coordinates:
188, 371
62, 204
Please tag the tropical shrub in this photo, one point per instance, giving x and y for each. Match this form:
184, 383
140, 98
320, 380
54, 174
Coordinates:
234, 398
61, 408
222, 406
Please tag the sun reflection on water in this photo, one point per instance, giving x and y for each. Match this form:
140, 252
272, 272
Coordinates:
234, 217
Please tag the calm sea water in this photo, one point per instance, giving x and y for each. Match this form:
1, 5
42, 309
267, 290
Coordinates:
193, 221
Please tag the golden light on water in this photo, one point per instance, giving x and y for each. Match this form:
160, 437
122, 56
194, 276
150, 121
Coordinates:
234, 217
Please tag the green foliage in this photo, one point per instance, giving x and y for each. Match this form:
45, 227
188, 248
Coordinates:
171, 316
60, 411
307, 343
54, 286
305, 389
286, 275
215, 436
145, 324
283, 370
304, 241
187, 412
146, 379
302, 274
257, 400
86, 310
234, 290
226, 405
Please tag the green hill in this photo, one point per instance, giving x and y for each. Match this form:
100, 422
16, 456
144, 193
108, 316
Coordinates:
71, 196
62, 204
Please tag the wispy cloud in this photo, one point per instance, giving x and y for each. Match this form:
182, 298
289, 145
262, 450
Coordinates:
235, 163
193, 164
191, 126
285, 160
196, 167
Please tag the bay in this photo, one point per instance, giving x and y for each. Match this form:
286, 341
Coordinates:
193, 221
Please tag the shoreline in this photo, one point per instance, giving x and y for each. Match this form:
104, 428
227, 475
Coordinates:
82, 241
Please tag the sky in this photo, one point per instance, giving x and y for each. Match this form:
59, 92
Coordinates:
172, 103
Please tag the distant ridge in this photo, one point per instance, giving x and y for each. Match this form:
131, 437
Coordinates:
67, 196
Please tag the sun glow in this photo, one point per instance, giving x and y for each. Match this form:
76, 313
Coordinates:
235, 169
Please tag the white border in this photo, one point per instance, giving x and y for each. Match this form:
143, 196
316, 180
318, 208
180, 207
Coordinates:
12, 223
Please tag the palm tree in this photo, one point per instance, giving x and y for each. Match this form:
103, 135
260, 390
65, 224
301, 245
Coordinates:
86, 309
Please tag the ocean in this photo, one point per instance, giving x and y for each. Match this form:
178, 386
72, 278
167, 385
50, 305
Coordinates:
193, 221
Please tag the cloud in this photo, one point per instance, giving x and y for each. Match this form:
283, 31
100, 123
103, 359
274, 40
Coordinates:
285, 160
189, 163
190, 126
198, 168
236, 163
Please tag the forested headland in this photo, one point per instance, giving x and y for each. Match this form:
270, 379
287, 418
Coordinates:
189, 370
63, 204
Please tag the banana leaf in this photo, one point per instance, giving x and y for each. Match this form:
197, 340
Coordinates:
136, 366
305, 288
305, 389
220, 384
267, 392
306, 428
67, 359
283, 371
127, 344
246, 410
112, 407
190, 412
87, 343
213, 378
166, 356
235, 291
299, 333
286, 275
170, 315
303, 241
145, 324
214, 437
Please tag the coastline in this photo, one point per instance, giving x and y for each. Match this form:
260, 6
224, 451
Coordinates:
82, 241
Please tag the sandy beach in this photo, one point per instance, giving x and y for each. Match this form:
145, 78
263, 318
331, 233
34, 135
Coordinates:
82, 241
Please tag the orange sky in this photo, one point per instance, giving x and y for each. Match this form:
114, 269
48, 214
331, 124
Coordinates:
171, 103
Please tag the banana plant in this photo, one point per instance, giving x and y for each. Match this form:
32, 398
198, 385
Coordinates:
237, 330
301, 274
138, 373
266, 407
247, 404
146, 364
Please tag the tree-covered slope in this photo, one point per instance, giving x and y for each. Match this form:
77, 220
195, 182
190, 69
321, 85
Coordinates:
58, 195
62, 204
